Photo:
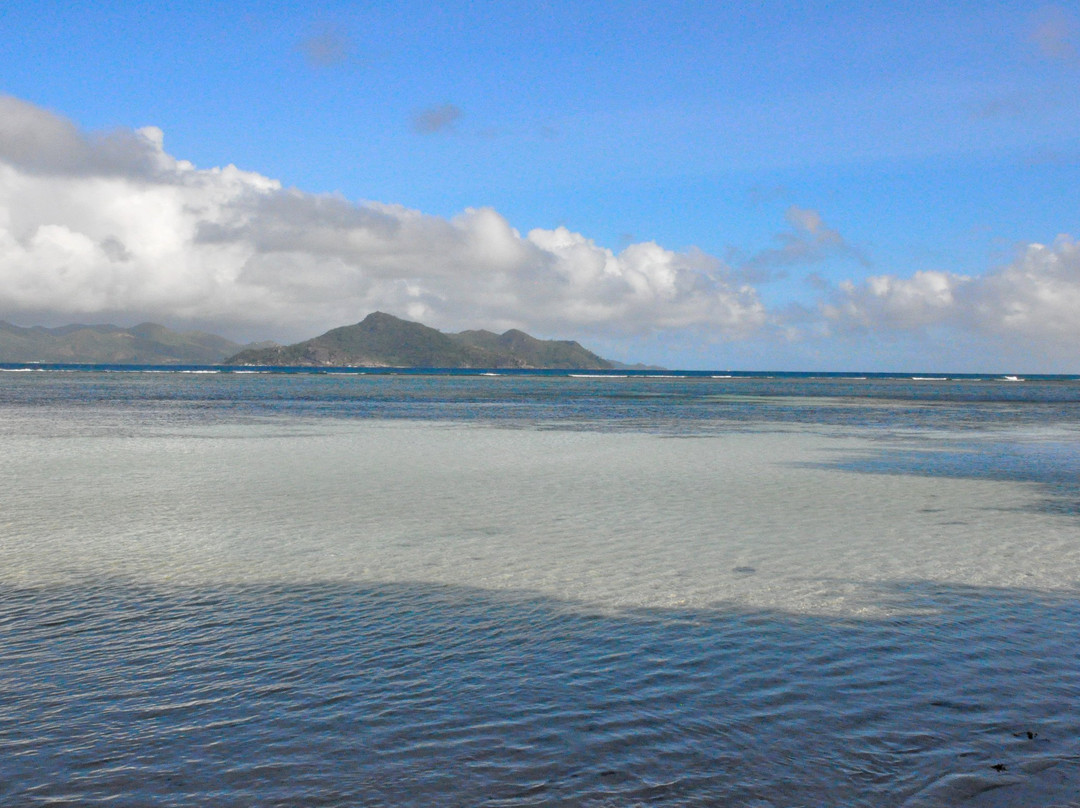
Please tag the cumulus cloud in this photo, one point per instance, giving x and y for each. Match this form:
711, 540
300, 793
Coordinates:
1034, 298
113, 226
436, 119
39, 142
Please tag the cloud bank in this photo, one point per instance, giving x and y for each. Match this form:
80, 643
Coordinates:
93, 226
99, 227
1034, 299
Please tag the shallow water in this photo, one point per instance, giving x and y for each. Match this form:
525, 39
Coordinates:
515, 591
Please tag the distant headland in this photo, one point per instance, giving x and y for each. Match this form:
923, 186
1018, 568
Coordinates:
144, 344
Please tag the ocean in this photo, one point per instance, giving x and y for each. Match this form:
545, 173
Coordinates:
361, 588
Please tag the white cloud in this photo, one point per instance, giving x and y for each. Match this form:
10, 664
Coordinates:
1035, 298
41, 143
1038, 295
113, 226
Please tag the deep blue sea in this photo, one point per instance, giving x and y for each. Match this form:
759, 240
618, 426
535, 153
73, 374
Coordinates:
271, 587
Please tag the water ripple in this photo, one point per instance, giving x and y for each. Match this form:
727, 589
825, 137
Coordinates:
411, 695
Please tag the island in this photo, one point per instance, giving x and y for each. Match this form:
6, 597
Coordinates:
382, 340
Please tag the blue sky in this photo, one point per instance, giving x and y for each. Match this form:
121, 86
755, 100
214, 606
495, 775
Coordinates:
779, 155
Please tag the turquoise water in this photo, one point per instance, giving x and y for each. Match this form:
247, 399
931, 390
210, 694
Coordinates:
282, 589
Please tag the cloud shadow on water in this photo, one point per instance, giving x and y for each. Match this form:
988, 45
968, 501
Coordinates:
416, 694
1052, 466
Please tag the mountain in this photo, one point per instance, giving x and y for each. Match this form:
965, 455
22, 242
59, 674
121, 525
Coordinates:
382, 340
145, 344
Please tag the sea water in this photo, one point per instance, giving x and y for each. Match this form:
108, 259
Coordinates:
436, 589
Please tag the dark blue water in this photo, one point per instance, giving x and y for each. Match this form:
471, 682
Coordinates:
695, 401
412, 695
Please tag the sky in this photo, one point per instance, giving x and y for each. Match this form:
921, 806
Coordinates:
833, 186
